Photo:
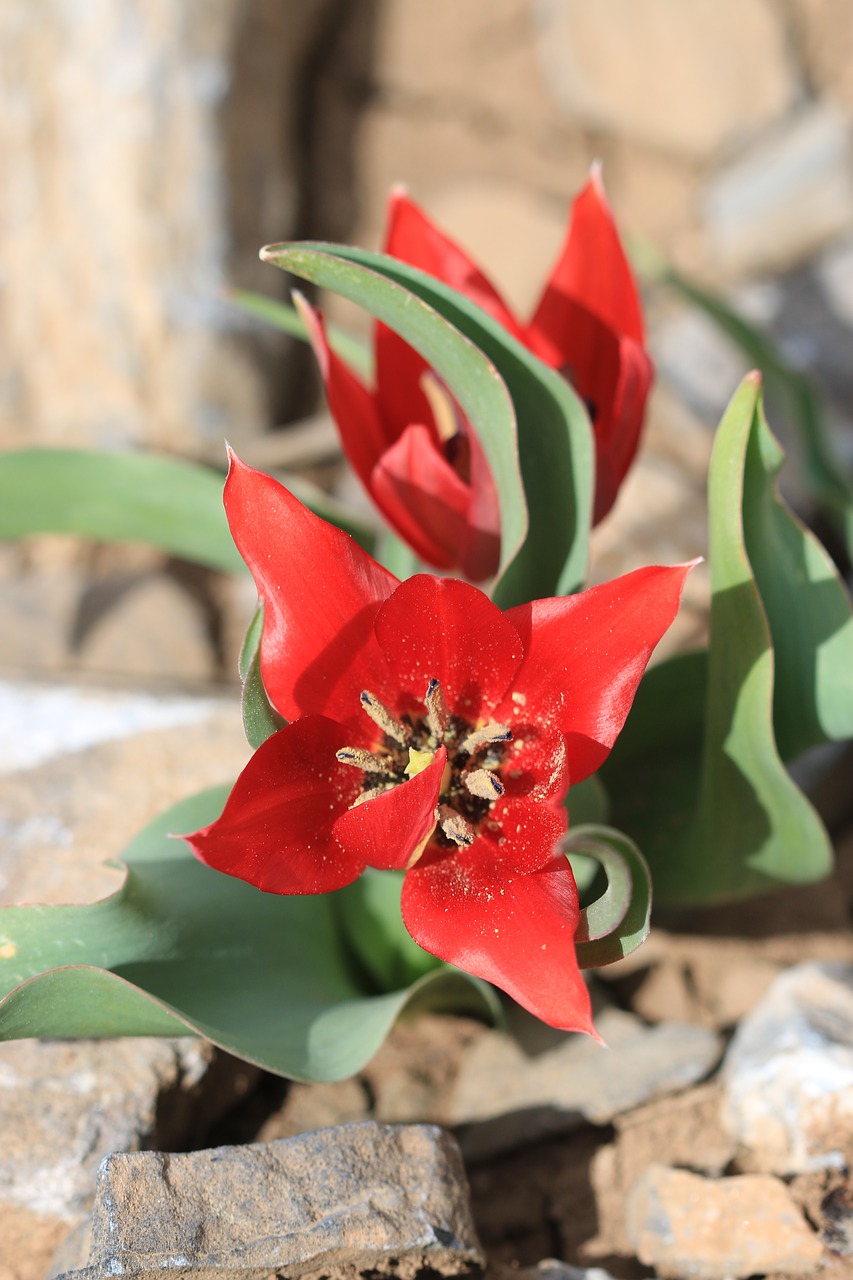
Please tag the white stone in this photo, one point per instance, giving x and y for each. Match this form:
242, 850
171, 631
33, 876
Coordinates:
682, 77
785, 197
42, 722
788, 1073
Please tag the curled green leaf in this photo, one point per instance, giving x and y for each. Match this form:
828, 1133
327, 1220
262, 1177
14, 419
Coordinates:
617, 922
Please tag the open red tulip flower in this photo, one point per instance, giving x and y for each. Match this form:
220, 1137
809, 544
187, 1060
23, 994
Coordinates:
588, 322
433, 733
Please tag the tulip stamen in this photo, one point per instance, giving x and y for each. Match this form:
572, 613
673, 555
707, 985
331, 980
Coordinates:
491, 732
365, 760
437, 713
484, 784
454, 826
381, 716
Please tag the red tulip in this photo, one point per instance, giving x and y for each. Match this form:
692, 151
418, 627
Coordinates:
588, 322
413, 449
434, 733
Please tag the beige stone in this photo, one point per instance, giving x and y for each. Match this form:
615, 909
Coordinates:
512, 233
682, 77
687, 1225
824, 30
128, 198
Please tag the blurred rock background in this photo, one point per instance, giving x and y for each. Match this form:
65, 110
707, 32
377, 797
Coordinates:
148, 150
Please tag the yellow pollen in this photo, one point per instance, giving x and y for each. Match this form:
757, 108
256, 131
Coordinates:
418, 761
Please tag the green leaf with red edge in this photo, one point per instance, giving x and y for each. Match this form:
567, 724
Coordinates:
697, 775
182, 949
540, 424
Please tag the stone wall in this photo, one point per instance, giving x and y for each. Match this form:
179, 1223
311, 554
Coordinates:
149, 149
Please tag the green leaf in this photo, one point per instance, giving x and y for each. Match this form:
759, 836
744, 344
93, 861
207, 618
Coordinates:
181, 948
282, 316
129, 497
696, 776
617, 922
828, 477
543, 539
260, 718
368, 911
807, 608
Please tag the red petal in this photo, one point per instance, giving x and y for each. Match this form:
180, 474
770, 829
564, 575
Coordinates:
592, 270
422, 497
320, 593
448, 630
584, 656
613, 376
516, 931
619, 423
410, 236
276, 828
352, 406
399, 394
480, 555
385, 832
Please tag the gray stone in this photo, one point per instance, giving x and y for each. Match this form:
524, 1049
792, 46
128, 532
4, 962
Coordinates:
343, 1201
504, 1099
63, 1107
688, 1226
786, 197
788, 1073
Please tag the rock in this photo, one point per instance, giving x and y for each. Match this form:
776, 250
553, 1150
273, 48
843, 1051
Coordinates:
504, 1099
341, 1201
63, 1107
686, 1225
835, 273
824, 37
513, 233
133, 342
70, 752
788, 1073
836, 1216
683, 1130
785, 197
600, 61
548, 1269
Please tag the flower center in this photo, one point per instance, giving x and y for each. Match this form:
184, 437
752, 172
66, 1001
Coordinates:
471, 781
